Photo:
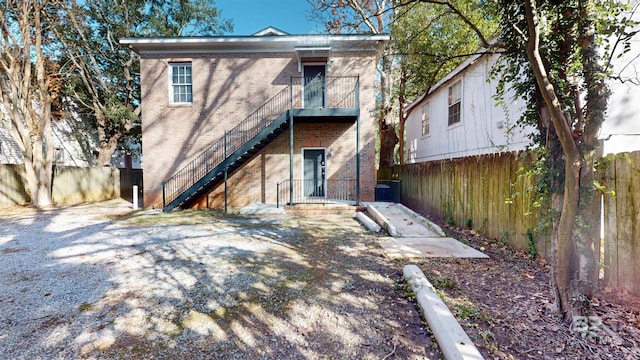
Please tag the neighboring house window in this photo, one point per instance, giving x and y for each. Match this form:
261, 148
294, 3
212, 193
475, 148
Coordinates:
425, 119
455, 100
58, 156
181, 85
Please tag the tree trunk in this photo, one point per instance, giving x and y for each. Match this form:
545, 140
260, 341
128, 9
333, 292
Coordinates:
403, 119
26, 93
597, 94
108, 147
388, 141
567, 264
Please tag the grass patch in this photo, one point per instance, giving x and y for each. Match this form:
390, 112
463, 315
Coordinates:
183, 217
86, 307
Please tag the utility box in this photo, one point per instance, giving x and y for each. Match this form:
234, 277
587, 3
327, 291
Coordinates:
383, 193
394, 189
388, 191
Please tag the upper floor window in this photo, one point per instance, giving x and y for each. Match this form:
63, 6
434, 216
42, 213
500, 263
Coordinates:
425, 119
58, 155
455, 100
181, 84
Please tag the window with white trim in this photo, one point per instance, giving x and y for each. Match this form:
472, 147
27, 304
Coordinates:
181, 83
425, 119
58, 155
455, 102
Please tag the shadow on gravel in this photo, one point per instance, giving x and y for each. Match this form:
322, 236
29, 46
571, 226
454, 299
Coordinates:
73, 286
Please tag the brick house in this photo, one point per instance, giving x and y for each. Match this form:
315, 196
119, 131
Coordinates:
266, 118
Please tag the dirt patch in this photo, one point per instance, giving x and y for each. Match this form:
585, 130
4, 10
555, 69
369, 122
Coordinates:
506, 306
167, 286
101, 281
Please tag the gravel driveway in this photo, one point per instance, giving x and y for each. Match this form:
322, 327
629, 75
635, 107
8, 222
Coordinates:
98, 281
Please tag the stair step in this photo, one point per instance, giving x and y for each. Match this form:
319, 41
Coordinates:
277, 128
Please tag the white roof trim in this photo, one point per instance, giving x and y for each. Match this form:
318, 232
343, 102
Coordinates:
281, 43
455, 72
270, 31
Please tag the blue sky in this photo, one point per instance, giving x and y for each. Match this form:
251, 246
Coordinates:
251, 16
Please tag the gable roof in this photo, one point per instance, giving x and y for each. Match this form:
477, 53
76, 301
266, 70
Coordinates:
455, 72
270, 31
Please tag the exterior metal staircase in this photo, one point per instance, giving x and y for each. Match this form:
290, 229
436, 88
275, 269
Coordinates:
339, 99
228, 153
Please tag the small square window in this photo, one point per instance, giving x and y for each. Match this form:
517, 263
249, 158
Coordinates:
425, 119
181, 83
58, 154
455, 100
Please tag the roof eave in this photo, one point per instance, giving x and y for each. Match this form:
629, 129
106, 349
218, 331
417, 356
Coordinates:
254, 43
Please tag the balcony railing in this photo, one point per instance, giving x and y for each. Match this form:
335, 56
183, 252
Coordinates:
316, 192
325, 92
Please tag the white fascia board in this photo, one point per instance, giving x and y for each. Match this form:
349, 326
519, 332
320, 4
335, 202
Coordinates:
226, 44
460, 68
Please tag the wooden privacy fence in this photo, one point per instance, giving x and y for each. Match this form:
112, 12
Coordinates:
490, 194
622, 221
12, 185
71, 185
485, 193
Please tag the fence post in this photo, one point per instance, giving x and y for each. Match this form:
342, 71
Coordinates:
135, 197
225, 189
164, 204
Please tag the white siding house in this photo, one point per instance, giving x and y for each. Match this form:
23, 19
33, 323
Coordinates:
458, 117
621, 130
71, 146
74, 145
439, 127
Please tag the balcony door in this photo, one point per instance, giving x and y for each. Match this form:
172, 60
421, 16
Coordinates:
314, 172
314, 85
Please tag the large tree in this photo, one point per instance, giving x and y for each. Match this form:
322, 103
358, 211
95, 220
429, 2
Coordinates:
374, 17
429, 39
554, 59
29, 83
102, 74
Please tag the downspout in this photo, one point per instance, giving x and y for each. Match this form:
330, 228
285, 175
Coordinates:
225, 173
358, 142
164, 204
290, 140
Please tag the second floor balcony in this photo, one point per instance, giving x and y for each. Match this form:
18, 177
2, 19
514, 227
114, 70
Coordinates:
337, 97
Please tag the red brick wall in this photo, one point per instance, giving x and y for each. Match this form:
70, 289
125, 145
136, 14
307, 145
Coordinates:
257, 181
226, 89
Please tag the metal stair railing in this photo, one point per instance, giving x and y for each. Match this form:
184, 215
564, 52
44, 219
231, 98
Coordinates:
231, 141
336, 91
312, 192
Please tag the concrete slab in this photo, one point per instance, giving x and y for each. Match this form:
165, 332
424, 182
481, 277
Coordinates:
406, 223
414, 235
368, 223
428, 247
453, 340
261, 209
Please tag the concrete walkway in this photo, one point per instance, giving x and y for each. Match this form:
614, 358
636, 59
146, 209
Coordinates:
413, 236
